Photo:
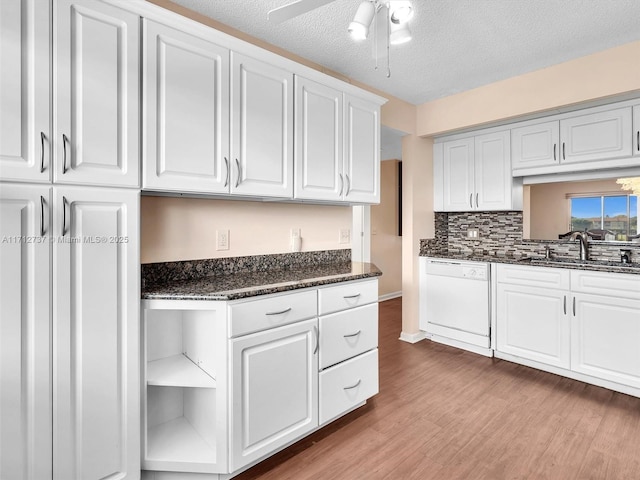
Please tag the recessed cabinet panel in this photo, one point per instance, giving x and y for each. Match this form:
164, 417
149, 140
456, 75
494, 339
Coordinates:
96, 94
458, 175
493, 171
96, 316
319, 136
25, 132
605, 336
261, 129
636, 130
25, 374
535, 145
362, 151
596, 136
187, 123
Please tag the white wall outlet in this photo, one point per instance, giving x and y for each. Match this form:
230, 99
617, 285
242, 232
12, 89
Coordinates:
345, 235
473, 233
222, 239
296, 240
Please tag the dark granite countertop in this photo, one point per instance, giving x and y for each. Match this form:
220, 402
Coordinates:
575, 264
238, 285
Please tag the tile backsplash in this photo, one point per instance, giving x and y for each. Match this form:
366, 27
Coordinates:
500, 234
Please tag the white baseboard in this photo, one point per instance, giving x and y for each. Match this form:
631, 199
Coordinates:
389, 296
413, 337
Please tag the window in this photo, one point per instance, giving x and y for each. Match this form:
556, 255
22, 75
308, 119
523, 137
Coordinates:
617, 214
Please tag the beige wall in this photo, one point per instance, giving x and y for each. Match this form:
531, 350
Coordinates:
386, 245
549, 211
185, 228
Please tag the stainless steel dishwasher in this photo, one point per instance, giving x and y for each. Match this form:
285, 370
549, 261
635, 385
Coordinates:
454, 303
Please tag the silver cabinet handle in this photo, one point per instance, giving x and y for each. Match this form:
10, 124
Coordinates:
42, 231
574, 306
280, 312
352, 296
346, 175
64, 215
41, 152
317, 334
65, 139
239, 173
471, 200
341, 184
353, 386
638, 140
353, 334
554, 152
226, 175
564, 156
477, 206
565, 305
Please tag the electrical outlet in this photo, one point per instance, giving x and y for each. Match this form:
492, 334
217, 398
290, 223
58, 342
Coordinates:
345, 235
295, 233
473, 233
222, 239
296, 240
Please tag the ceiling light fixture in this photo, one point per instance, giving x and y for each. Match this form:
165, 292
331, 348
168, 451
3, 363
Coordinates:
399, 33
401, 12
359, 28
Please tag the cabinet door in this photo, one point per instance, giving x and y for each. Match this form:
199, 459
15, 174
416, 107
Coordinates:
187, 112
596, 136
362, 151
274, 390
25, 367
25, 132
318, 141
96, 96
535, 145
636, 130
458, 175
605, 338
493, 171
96, 298
532, 323
261, 129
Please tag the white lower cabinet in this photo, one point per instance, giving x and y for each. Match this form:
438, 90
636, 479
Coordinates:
587, 323
229, 383
275, 390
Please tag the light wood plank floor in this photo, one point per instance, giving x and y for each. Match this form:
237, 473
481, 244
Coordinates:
447, 414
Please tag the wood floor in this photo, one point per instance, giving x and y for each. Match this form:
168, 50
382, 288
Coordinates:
447, 414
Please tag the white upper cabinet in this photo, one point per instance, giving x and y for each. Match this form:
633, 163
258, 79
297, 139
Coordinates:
492, 173
186, 120
474, 173
636, 130
319, 141
457, 174
261, 129
96, 94
362, 151
535, 145
96, 298
25, 132
25, 372
596, 136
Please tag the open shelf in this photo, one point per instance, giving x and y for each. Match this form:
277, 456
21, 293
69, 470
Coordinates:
177, 441
177, 371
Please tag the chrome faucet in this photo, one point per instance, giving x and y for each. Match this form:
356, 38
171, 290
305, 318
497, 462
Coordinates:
584, 245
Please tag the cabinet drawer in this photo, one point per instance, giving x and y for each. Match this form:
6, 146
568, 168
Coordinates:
534, 276
344, 386
346, 334
347, 295
256, 315
604, 283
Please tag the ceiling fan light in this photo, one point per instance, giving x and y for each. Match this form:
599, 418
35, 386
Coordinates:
401, 13
359, 28
399, 34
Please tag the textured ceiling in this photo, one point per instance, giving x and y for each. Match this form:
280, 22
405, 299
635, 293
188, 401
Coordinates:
457, 44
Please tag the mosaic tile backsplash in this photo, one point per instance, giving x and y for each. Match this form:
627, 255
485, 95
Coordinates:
500, 234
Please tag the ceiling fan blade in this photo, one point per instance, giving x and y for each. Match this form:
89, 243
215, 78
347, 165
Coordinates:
286, 12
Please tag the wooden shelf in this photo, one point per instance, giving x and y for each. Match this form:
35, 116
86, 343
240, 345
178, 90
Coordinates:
177, 441
178, 371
